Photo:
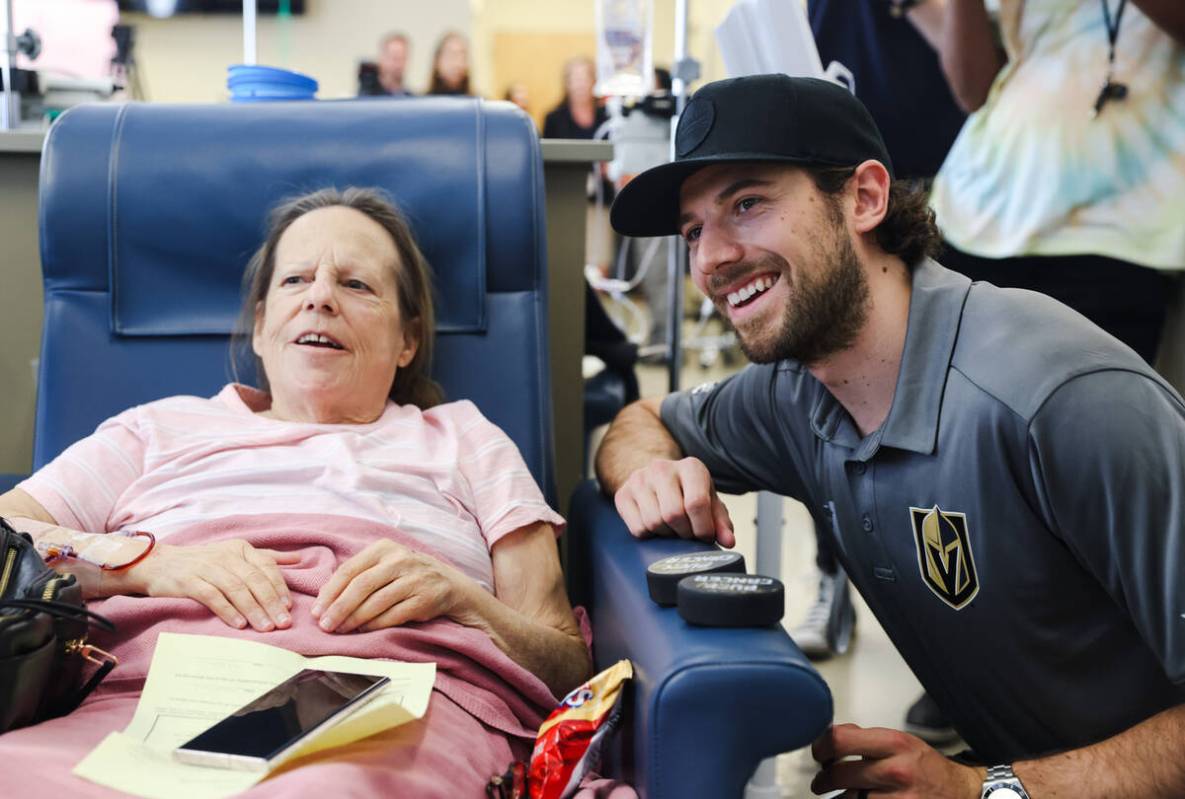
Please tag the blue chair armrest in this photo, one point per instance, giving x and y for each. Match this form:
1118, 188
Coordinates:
9, 481
707, 704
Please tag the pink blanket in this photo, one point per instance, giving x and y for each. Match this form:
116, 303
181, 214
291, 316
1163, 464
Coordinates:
484, 711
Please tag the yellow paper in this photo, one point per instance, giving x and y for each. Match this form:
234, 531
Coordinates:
196, 680
126, 764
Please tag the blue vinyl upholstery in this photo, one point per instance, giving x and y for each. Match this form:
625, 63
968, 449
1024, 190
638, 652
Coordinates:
148, 216
708, 704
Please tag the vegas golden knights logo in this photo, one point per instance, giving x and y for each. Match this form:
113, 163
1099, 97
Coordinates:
944, 555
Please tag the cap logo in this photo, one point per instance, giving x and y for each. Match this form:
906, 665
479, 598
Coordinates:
694, 125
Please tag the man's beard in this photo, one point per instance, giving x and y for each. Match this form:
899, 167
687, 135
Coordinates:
826, 310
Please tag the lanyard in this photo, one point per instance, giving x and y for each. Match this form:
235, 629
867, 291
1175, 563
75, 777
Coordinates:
1112, 90
1112, 29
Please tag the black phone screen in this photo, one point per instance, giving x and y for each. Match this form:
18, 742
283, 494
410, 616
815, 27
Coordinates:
268, 725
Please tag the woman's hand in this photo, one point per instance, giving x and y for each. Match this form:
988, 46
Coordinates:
388, 584
238, 582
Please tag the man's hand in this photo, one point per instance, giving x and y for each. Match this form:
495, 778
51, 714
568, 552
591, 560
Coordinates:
386, 585
891, 764
238, 582
674, 497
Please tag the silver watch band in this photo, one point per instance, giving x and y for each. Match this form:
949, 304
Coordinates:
999, 777
1000, 773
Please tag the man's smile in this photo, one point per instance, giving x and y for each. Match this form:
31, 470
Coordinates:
754, 287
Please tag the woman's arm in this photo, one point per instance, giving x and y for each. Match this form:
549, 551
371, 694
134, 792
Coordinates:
968, 52
927, 19
239, 583
27, 515
531, 619
1169, 16
16, 504
528, 618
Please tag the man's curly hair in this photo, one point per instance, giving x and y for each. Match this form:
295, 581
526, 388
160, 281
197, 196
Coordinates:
908, 230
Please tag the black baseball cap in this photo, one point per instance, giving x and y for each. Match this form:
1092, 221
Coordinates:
774, 118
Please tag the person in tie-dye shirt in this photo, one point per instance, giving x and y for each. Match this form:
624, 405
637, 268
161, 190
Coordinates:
1041, 192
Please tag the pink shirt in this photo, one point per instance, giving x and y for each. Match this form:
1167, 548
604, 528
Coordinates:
446, 476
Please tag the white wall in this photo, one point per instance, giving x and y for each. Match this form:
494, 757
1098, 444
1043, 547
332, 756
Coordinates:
184, 58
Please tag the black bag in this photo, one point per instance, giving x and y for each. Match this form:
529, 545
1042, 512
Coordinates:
43, 630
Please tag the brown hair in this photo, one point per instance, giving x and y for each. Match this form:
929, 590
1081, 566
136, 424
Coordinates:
908, 230
437, 84
412, 384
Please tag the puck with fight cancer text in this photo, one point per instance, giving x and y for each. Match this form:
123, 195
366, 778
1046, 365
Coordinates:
731, 600
663, 576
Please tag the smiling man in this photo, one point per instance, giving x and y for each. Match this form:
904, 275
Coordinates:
1002, 480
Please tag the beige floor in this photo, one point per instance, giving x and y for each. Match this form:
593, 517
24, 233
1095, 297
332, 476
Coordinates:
871, 684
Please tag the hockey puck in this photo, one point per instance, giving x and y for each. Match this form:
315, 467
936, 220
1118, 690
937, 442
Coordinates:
663, 576
731, 600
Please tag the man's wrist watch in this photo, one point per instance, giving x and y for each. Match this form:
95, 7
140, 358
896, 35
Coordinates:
1001, 783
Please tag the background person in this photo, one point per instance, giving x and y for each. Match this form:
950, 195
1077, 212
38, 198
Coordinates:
450, 66
394, 50
579, 114
518, 93
1040, 191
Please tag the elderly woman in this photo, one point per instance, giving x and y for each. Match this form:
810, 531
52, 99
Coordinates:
342, 509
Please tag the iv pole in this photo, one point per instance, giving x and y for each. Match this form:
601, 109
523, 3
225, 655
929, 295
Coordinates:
10, 109
249, 56
684, 72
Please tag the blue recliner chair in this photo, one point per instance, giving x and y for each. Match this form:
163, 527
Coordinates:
148, 216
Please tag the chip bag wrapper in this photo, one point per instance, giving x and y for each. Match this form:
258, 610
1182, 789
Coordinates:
570, 741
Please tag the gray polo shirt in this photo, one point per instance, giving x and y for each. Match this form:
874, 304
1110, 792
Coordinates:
1017, 522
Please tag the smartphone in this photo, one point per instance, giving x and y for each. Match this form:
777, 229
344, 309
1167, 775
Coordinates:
263, 731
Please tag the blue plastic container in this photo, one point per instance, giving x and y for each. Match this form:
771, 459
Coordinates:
253, 84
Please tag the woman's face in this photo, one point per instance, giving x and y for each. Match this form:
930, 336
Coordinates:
581, 79
453, 62
329, 331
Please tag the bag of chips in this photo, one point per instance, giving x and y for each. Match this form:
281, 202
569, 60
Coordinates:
570, 741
